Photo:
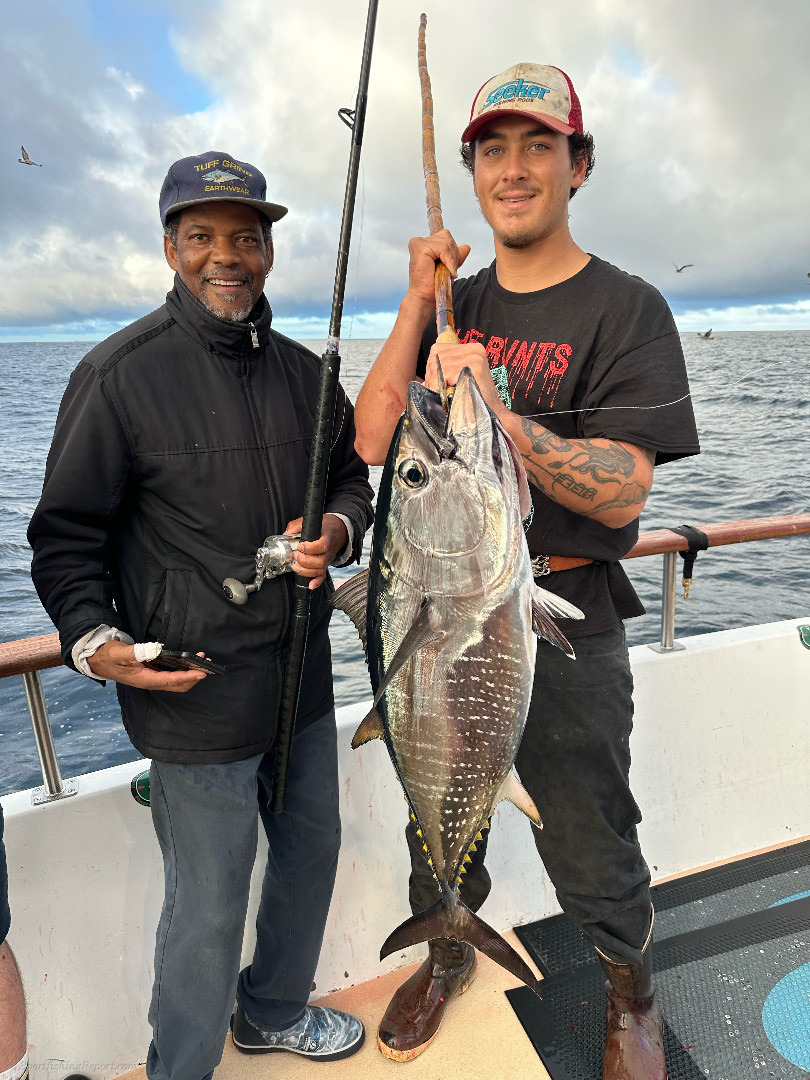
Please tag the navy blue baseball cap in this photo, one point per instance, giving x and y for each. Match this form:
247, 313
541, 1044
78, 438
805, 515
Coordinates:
215, 175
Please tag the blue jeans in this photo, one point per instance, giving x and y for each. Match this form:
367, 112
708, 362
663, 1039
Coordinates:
206, 819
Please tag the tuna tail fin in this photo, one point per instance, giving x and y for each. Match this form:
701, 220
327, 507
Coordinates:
451, 918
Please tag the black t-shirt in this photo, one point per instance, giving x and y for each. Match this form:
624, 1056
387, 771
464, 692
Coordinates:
596, 356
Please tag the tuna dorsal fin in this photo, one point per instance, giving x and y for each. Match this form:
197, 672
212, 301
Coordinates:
421, 633
516, 793
371, 727
545, 606
351, 599
451, 918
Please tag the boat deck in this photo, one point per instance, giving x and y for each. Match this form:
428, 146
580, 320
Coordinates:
480, 1038
720, 737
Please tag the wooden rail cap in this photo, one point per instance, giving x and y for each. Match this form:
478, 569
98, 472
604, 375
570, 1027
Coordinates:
29, 654
658, 541
32, 654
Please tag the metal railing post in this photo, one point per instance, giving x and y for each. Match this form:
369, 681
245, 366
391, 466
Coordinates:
54, 787
668, 642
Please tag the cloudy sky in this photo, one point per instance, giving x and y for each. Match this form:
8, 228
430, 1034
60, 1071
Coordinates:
698, 108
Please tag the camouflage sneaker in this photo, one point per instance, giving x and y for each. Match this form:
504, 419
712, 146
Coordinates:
320, 1034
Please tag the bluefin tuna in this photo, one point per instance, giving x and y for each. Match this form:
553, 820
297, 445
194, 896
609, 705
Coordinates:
447, 612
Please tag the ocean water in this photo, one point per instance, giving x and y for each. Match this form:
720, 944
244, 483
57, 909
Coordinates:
752, 401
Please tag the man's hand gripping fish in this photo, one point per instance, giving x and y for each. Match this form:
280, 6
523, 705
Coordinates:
446, 612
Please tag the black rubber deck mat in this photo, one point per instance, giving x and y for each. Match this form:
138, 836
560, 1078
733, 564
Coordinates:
706, 898
735, 997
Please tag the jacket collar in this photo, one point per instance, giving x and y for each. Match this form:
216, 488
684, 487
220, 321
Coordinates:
231, 339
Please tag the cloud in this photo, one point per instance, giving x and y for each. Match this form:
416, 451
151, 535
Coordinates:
697, 111
129, 85
746, 317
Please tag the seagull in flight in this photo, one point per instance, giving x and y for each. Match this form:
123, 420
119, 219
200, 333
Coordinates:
25, 159
678, 269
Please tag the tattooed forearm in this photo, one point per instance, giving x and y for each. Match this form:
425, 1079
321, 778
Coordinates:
598, 478
544, 441
557, 479
630, 495
603, 463
563, 480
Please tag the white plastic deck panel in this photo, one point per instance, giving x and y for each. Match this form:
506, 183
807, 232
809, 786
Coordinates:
721, 749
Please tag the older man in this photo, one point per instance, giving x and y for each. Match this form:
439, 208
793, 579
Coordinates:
181, 442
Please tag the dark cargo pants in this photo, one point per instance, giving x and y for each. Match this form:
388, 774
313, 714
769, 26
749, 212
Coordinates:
574, 761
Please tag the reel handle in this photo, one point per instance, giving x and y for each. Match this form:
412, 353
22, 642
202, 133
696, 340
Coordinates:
273, 558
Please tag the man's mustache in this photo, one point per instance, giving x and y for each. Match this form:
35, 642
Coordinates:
226, 275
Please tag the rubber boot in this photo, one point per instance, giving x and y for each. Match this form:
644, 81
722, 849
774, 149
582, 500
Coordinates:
415, 1011
634, 1042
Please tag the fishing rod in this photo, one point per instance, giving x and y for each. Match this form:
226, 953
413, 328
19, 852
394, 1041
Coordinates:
442, 281
315, 495
276, 555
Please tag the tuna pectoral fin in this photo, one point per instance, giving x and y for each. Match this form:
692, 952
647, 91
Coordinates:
545, 606
422, 632
351, 599
371, 727
450, 918
516, 793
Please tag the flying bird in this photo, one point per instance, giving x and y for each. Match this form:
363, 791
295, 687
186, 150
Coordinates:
679, 268
25, 159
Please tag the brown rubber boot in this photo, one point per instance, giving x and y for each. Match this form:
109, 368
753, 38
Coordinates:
634, 1043
415, 1011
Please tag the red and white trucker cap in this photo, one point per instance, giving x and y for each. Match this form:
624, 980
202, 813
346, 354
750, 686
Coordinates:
534, 90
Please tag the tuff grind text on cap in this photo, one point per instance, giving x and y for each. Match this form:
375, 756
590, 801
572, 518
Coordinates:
215, 175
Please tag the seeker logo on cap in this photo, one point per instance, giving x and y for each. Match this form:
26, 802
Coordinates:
517, 88
538, 91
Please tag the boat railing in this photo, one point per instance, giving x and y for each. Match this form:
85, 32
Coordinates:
668, 543
28, 656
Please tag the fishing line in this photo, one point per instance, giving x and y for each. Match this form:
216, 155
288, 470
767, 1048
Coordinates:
643, 408
605, 408
356, 278
359, 246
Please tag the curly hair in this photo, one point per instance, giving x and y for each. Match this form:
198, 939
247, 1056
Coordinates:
173, 222
580, 147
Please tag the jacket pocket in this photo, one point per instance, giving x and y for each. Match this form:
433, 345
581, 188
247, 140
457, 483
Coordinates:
175, 609
153, 622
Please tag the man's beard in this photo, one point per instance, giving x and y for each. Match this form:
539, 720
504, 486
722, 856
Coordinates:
517, 240
518, 237
225, 307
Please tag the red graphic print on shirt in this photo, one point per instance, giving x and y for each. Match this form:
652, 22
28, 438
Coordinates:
527, 363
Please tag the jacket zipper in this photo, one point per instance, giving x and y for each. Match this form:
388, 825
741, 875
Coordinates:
254, 335
285, 592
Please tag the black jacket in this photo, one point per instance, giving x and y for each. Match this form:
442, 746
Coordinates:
179, 446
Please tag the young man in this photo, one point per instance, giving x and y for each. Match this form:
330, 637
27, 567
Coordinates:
593, 391
181, 443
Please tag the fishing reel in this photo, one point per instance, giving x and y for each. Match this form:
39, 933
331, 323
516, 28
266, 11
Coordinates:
273, 558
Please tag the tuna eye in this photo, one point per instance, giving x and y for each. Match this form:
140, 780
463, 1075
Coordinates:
413, 473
